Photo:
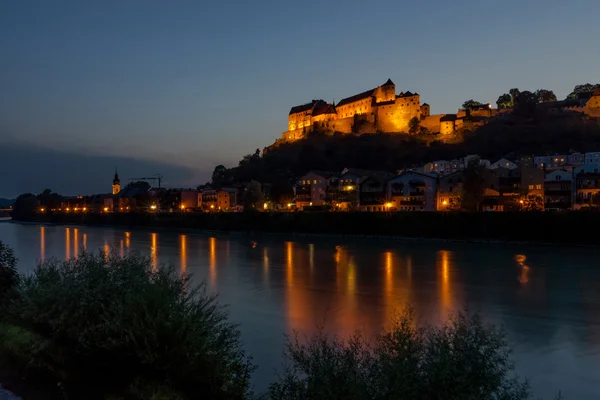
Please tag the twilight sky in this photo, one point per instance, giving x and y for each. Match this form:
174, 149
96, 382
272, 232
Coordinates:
186, 85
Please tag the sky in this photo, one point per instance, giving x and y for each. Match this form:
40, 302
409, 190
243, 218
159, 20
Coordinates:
181, 86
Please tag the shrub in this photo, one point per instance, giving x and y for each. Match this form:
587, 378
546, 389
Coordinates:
9, 278
109, 323
464, 359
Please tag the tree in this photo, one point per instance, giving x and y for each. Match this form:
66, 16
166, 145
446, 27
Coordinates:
474, 177
220, 176
545, 96
526, 103
585, 88
252, 197
471, 104
414, 125
504, 101
514, 93
26, 205
464, 359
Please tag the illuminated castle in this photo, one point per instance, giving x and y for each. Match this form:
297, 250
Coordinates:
376, 110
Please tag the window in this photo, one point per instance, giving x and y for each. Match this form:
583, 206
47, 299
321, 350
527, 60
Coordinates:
315, 182
530, 187
538, 187
558, 177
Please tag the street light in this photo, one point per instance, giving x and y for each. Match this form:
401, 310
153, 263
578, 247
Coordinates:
153, 207
105, 209
182, 207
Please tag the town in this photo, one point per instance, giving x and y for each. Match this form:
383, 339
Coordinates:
535, 183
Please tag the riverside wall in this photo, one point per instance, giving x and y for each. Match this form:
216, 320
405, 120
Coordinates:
570, 228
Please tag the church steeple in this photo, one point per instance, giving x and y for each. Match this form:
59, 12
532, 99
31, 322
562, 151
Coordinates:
116, 186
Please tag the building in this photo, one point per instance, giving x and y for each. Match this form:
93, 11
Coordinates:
372, 194
504, 163
592, 105
558, 191
375, 110
449, 191
592, 158
116, 185
587, 186
227, 199
412, 191
207, 199
188, 199
311, 189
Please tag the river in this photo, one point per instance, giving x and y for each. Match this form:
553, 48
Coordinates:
546, 298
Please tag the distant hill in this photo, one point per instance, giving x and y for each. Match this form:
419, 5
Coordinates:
504, 136
5, 203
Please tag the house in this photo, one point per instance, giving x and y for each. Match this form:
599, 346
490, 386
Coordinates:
449, 191
592, 158
227, 199
412, 191
344, 190
503, 162
372, 194
207, 199
311, 189
587, 186
558, 191
551, 162
188, 199
532, 182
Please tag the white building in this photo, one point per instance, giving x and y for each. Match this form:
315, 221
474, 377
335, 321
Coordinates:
413, 191
592, 158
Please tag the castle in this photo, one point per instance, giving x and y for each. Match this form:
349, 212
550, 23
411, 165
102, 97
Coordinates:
382, 110
376, 110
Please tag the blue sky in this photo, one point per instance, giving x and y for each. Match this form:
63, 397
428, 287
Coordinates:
198, 83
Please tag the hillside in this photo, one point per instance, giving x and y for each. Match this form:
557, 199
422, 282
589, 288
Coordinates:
506, 136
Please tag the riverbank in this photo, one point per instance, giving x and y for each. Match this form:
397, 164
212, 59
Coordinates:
568, 228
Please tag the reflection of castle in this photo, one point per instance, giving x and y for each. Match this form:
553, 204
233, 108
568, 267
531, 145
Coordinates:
376, 110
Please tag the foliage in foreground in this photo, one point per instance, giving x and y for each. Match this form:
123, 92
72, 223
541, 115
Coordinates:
464, 359
113, 328
101, 326
9, 278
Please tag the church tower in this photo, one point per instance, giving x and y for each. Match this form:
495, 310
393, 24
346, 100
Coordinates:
116, 186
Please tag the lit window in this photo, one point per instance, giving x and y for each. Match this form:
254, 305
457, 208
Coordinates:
315, 182
530, 187
538, 187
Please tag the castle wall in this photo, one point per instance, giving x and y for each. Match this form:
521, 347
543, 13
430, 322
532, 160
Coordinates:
446, 127
432, 123
359, 107
385, 93
394, 117
343, 125
298, 120
592, 107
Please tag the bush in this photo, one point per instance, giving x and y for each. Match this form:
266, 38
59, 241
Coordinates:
109, 323
464, 359
9, 278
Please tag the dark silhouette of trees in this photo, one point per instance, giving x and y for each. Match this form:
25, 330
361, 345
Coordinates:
414, 125
587, 87
474, 178
545, 96
471, 104
504, 101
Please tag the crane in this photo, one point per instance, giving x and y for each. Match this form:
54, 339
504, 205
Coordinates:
157, 177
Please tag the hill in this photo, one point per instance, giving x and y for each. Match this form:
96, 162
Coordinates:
504, 136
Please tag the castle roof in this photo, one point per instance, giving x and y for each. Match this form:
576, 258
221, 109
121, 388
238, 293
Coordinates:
388, 83
448, 117
425, 104
323, 108
356, 97
304, 107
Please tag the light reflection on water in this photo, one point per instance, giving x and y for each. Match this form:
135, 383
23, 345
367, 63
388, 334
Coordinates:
548, 299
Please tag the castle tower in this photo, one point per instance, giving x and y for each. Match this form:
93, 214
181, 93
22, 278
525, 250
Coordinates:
116, 186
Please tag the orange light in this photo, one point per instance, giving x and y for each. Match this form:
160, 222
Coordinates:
84, 209
212, 206
388, 205
182, 207
445, 202
105, 209
76, 209
153, 206
42, 209
67, 208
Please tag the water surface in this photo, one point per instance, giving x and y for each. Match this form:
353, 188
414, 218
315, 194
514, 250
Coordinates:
547, 298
